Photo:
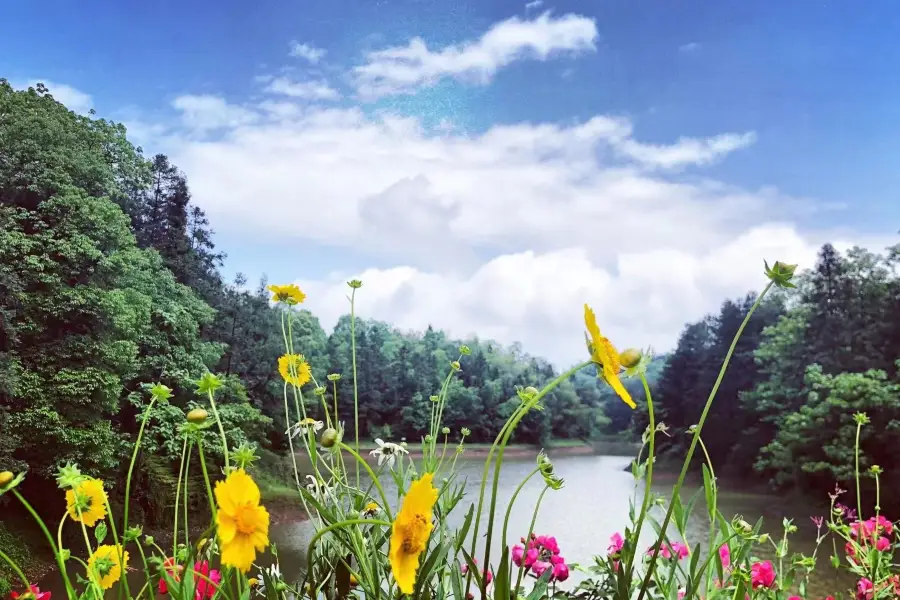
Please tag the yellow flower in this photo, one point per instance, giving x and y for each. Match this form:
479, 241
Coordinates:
604, 354
410, 532
89, 499
288, 294
242, 523
104, 565
252, 581
294, 369
371, 508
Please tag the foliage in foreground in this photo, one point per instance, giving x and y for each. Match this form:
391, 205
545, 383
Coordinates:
369, 545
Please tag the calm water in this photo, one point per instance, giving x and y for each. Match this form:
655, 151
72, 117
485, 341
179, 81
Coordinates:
583, 515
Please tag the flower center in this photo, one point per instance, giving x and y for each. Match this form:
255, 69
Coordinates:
245, 520
415, 535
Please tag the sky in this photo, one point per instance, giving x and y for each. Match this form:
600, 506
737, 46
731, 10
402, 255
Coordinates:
487, 167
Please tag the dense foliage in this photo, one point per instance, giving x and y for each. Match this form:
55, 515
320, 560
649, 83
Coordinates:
801, 370
109, 277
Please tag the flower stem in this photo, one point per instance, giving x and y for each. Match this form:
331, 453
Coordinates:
360, 459
534, 515
648, 490
355, 382
513, 500
209, 492
137, 447
312, 543
53, 546
212, 403
858, 495
17, 570
687, 461
187, 497
178, 497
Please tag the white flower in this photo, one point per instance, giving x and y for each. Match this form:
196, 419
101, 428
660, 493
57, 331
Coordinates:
274, 574
318, 489
387, 451
300, 426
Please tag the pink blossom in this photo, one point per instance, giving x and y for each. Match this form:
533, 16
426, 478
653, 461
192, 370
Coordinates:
725, 556
531, 557
762, 574
38, 594
681, 593
551, 544
862, 529
488, 576
556, 559
560, 571
615, 544
865, 590
794, 598
680, 550
883, 544
518, 553
206, 589
817, 521
540, 567
883, 524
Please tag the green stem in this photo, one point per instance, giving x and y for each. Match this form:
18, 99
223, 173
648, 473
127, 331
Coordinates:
178, 497
56, 550
648, 490
312, 543
360, 459
212, 403
858, 495
534, 515
287, 420
355, 382
687, 461
17, 570
513, 501
499, 463
187, 497
209, 492
121, 547
137, 447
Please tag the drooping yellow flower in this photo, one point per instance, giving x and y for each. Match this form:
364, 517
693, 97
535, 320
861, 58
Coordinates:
242, 523
88, 499
288, 294
294, 369
605, 355
409, 534
104, 567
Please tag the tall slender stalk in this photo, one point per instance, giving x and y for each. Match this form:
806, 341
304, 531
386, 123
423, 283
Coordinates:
537, 507
687, 461
209, 492
178, 497
648, 489
212, 403
355, 382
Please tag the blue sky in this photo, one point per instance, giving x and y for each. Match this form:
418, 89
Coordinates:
736, 129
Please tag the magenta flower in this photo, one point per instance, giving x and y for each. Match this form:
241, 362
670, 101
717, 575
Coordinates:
681, 593
616, 543
488, 576
794, 598
551, 544
817, 521
865, 590
531, 557
762, 574
560, 571
883, 544
540, 567
680, 550
725, 556
518, 553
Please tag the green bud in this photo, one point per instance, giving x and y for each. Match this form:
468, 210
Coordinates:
320, 390
148, 539
630, 358
209, 383
765, 538
456, 366
465, 431
197, 416
161, 392
65, 554
68, 476
428, 438
333, 376
781, 274
355, 284
445, 431
329, 437
434, 398
464, 350
861, 418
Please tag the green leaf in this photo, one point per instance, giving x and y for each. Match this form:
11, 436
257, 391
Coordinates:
464, 530
710, 490
473, 568
501, 581
100, 532
540, 587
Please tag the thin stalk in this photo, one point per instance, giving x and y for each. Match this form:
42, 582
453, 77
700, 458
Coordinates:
534, 515
648, 490
209, 492
687, 461
502, 448
355, 382
287, 420
121, 547
312, 543
360, 459
858, 495
178, 497
17, 570
56, 550
513, 501
187, 497
137, 447
212, 403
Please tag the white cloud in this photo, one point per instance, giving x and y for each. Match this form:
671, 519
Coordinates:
307, 52
402, 69
533, 5
686, 151
207, 112
74, 99
308, 90
689, 47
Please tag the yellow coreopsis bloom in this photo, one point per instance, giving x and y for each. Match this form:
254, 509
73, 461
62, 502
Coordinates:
104, 565
242, 523
410, 531
294, 369
88, 499
287, 294
604, 354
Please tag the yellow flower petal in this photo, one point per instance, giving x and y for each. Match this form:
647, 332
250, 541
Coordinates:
243, 525
410, 532
604, 354
294, 369
86, 502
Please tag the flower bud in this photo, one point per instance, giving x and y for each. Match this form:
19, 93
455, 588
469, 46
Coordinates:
253, 581
148, 539
630, 358
197, 416
355, 284
320, 390
329, 437
465, 431
353, 580
434, 398
456, 366
5, 478
428, 439
445, 431
781, 274
464, 350
333, 376
764, 538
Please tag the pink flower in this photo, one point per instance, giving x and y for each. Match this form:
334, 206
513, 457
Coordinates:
531, 557
487, 574
560, 571
540, 567
551, 544
615, 544
817, 521
883, 524
762, 574
725, 556
862, 529
865, 590
681, 593
680, 550
794, 598
173, 571
206, 589
38, 594
518, 553
883, 544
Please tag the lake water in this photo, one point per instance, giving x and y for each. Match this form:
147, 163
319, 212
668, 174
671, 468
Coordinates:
583, 515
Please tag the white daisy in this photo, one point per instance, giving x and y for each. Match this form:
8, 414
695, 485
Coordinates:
300, 426
274, 574
318, 489
387, 451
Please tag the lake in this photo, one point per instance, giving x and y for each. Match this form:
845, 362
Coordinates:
583, 515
